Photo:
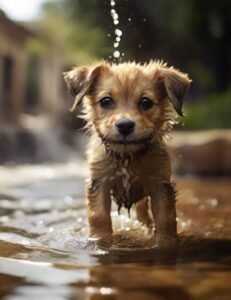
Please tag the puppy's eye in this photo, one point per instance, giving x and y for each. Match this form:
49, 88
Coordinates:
146, 103
106, 103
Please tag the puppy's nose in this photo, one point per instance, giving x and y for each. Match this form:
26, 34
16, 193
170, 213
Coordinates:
125, 126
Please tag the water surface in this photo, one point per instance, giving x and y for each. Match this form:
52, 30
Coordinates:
45, 252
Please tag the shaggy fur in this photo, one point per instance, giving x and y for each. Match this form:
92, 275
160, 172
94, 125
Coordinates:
129, 168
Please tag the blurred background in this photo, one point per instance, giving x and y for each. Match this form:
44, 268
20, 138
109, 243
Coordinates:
40, 39
43, 224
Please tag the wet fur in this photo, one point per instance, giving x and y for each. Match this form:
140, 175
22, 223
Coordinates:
134, 169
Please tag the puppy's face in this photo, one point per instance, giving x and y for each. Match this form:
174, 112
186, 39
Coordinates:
127, 104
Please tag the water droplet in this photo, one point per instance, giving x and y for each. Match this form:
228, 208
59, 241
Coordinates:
114, 15
144, 19
140, 46
213, 202
118, 32
108, 34
129, 19
116, 54
51, 229
122, 54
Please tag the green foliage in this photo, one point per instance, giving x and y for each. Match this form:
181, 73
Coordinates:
72, 36
213, 112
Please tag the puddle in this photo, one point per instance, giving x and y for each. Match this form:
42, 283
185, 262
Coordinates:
45, 252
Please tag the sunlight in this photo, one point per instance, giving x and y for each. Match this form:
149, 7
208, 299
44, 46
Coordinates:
22, 10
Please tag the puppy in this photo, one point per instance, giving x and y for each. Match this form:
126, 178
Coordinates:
128, 108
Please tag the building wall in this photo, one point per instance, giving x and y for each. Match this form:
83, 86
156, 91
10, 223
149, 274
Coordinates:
15, 97
13, 50
51, 85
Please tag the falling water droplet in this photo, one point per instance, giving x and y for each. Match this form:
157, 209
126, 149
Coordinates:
116, 54
114, 14
129, 19
118, 32
108, 34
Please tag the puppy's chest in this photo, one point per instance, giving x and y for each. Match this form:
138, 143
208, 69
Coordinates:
127, 186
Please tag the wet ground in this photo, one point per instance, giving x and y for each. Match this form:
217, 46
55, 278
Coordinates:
45, 253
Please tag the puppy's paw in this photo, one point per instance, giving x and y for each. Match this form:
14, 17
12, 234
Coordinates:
100, 235
102, 240
166, 241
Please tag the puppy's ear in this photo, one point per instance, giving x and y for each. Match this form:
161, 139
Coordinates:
79, 82
176, 85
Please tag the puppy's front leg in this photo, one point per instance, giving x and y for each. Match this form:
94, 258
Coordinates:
142, 212
164, 212
99, 207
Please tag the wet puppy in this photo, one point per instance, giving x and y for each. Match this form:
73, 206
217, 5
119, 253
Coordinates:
128, 108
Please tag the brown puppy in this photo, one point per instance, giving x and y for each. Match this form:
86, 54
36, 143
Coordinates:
128, 109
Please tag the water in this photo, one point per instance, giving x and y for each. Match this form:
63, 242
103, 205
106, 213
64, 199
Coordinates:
117, 55
118, 33
45, 252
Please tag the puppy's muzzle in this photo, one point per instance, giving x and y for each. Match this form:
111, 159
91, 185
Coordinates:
125, 126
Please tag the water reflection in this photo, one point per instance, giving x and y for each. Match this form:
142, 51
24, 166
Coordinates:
45, 252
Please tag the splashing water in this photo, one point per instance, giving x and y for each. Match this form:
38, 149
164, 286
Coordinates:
46, 215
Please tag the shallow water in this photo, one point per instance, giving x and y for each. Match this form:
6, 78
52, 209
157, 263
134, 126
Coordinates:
44, 250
